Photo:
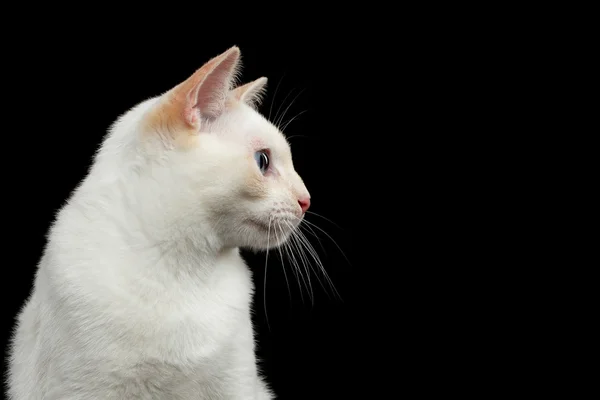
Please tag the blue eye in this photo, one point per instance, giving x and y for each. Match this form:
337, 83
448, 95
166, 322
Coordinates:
262, 160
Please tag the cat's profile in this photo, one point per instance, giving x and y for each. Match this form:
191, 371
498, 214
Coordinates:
141, 292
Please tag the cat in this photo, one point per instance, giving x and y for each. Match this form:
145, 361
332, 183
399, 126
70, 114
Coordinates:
141, 291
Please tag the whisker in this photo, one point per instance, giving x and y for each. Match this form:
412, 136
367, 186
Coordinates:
295, 271
302, 267
274, 95
312, 232
292, 120
315, 256
287, 108
281, 105
304, 260
294, 136
299, 251
303, 244
330, 238
283, 263
287, 283
326, 219
294, 261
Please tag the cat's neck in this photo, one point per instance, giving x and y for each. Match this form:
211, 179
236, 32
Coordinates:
162, 246
184, 264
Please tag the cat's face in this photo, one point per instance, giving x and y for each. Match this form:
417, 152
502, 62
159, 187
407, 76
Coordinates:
228, 166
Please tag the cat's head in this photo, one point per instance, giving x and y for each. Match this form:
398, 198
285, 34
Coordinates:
218, 162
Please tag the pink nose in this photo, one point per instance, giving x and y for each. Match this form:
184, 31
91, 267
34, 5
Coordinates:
304, 204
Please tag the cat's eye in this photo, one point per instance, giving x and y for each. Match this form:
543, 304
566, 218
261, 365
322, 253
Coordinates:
262, 160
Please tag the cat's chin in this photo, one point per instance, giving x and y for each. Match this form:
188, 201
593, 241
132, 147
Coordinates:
268, 236
260, 225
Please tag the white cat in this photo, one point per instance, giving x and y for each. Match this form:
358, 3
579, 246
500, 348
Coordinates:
141, 292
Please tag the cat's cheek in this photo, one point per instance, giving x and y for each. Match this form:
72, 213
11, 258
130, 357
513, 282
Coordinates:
254, 186
251, 183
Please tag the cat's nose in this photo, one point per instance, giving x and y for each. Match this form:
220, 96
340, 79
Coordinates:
304, 204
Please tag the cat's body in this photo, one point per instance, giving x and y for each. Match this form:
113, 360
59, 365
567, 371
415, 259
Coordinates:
184, 336
141, 292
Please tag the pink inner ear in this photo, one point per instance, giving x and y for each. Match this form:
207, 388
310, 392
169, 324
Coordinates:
192, 114
212, 91
204, 94
251, 93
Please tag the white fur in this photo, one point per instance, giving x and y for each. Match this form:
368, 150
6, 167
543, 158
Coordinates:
141, 292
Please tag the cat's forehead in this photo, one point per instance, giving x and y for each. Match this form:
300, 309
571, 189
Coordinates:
257, 131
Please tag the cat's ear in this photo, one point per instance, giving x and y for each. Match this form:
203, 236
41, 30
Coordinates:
204, 94
252, 92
